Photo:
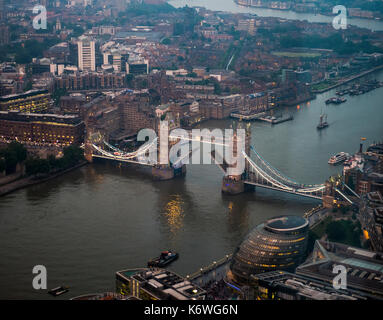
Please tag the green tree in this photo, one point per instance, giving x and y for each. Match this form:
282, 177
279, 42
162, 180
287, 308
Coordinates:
192, 75
13, 154
73, 155
19, 150
235, 90
129, 79
344, 231
57, 94
10, 161
166, 41
217, 88
336, 231
178, 29
36, 166
53, 162
2, 165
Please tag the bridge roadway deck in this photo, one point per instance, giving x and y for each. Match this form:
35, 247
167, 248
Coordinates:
286, 191
121, 160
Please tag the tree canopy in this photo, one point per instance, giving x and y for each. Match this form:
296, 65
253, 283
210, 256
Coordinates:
13, 154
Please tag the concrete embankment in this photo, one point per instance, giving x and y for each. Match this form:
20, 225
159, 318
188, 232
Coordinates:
29, 181
345, 81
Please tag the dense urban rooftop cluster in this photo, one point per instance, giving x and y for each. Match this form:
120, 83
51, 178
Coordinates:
104, 70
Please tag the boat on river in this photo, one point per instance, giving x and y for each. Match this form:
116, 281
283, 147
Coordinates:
165, 258
322, 122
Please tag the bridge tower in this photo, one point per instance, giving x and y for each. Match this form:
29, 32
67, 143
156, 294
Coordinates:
88, 153
88, 150
234, 184
331, 197
160, 171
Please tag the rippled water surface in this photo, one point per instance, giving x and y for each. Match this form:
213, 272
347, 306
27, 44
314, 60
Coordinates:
87, 224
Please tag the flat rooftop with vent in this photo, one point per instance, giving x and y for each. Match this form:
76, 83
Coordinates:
364, 268
157, 284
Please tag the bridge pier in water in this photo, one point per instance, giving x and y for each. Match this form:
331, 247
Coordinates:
163, 173
234, 186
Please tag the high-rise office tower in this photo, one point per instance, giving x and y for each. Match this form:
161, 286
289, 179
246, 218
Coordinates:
86, 54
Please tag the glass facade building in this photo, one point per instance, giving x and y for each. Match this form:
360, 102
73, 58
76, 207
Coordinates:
278, 244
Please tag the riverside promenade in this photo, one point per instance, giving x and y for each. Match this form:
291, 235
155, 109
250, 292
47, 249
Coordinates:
21, 183
216, 271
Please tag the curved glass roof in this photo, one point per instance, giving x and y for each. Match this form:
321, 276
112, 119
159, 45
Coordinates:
286, 223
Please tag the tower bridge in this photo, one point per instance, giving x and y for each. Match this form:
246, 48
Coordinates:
257, 171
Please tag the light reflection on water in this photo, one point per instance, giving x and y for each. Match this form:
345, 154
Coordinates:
174, 213
87, 224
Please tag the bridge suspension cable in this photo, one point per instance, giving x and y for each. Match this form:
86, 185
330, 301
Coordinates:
352, 191
121, 155
280, 175
135, 153
272, 169
344, 196
264, 175
296, 188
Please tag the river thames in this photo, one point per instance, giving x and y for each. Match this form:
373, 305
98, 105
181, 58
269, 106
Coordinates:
231, 6
99, 219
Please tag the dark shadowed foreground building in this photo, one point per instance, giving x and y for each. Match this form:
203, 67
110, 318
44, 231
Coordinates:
106, 296
371, 218
278, 244
156, 284
364, 268
282, 285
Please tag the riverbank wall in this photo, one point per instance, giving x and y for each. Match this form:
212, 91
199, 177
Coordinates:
343, 82
30, 181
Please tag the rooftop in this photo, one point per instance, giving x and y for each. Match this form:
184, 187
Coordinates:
376, 148
305, 287
364, 267
15, 115
163, 284
286, 223
375, 197
103, 296
24, 94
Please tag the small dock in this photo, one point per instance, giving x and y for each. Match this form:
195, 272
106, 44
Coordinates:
247, 116
274, 120
262, 116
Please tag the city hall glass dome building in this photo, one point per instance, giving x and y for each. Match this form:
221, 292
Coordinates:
278, 244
